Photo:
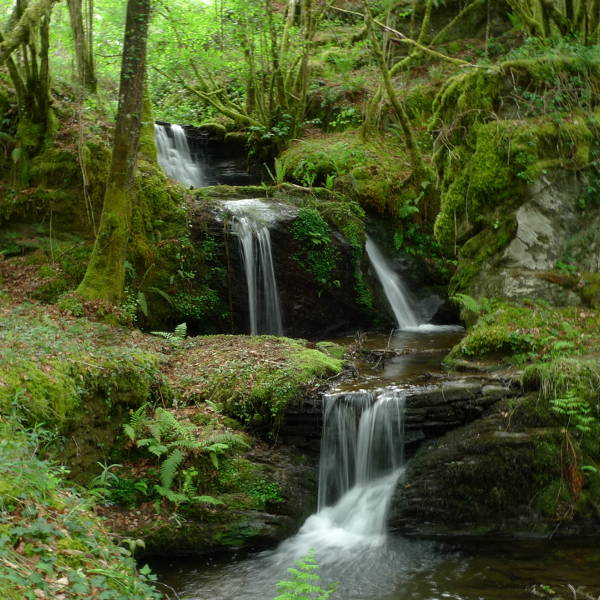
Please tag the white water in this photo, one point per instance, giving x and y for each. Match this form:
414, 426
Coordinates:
394, 289
175, 158
361, 463
251, 221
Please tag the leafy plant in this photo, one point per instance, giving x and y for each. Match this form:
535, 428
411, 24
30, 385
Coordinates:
172, 442
575, 408
479, 306
304, 582
176, 336
278, 177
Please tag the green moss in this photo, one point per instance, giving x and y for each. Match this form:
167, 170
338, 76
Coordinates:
213, 129
528, 332
72, 378
253, 378
331, 349
371, 172
244, 485
316, 253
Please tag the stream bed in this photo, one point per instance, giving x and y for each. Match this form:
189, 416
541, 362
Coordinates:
362, 421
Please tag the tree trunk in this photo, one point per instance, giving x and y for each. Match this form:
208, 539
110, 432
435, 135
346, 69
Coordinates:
105, 274
29, 19
84, 57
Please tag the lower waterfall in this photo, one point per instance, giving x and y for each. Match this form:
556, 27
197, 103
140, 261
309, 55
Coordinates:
361, 461
251, 220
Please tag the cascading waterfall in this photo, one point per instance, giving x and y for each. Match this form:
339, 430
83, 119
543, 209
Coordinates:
251, 220
362, 455
395, 291
175, 158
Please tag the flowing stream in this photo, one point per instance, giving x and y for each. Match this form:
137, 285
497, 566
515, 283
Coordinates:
175, 158
361, 461
251, 221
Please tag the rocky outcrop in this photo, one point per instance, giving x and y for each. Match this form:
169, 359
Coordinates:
553, 234
431, 411
504, 474
312, 306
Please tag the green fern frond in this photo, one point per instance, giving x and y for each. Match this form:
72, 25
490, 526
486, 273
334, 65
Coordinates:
168, 468
170, 495
467, 302
187, 444
234, 441
181, 331
175, 337
208, 500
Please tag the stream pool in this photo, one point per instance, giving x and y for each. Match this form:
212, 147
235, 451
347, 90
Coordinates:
405, 569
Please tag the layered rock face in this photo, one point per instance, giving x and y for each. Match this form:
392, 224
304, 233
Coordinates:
552, 233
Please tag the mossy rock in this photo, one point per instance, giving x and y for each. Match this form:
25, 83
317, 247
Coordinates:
253, 378
215, 130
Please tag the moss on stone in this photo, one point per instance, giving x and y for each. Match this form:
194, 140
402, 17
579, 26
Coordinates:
528, 332
213, 129
370, 172
69, 377
252, 378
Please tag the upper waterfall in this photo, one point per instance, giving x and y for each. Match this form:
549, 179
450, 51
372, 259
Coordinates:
175, 158
251, 220
395, 292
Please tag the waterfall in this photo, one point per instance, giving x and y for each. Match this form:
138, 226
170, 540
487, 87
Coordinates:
393, 287
362, 456
251, 220
175, 158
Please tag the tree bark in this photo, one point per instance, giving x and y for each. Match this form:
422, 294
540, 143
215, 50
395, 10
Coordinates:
84, 57
105, 274
30, 18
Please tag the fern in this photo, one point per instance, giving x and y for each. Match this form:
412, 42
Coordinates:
176, 336
208, 500
170, 495
136, 422
168, 468
304, 583
467, 302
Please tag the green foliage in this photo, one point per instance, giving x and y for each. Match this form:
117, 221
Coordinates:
49, 370
371, 172
176, 337
51, 544
304, 583
529, 332
570, 385
576, 409
173, 442
253, 378
316, 253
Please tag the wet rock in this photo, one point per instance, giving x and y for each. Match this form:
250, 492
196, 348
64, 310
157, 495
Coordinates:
492, 477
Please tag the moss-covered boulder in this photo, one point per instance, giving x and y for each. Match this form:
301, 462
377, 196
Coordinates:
514, 472
517, 173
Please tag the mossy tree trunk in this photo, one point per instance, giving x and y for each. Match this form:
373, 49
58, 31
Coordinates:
82, 31
398, 107
105, 274
545, 18
24, 47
